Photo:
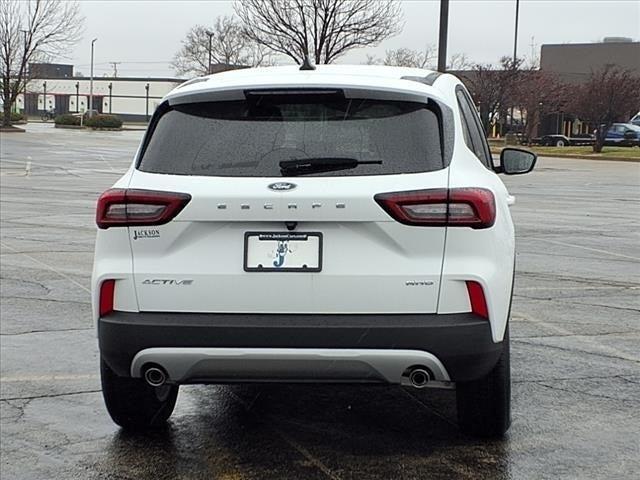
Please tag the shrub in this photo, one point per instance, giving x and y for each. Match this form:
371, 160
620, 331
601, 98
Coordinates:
104, 121
17, 117
67, 119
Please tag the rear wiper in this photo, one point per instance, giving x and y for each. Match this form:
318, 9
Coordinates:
301, 166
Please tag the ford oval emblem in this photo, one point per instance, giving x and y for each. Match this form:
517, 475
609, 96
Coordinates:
282, 186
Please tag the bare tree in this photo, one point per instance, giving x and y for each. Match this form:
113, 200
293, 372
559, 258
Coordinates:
537, 94
459, 61
492, 88
406, 57
32, 30
229, 46
610, 95
321, 29
372, 60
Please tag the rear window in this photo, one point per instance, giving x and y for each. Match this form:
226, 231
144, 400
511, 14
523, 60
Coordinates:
249, 138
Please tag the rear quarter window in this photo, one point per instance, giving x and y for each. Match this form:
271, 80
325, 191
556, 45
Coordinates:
249, 138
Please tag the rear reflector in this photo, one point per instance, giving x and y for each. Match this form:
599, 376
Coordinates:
457, 207
107, 289
477, 300
124, 207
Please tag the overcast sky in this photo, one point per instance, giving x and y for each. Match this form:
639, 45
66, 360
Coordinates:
144, 35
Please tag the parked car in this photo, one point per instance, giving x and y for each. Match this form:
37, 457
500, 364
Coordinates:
623, 135
636, 120
88, 114
558, 140
340, 224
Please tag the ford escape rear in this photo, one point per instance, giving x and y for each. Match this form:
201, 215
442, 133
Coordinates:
344, 224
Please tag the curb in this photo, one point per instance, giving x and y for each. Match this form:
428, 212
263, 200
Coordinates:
93, 129
12, 130
582, 157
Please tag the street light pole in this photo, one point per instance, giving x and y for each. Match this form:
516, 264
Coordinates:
442, 40
146, 88
110, 95
91, 81
210, 35
515, 54
515, 35
24, 76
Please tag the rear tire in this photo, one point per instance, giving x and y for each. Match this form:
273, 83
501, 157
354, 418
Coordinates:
133, 404
484, 405
560, 143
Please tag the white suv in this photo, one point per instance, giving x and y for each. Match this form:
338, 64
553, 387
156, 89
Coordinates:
329, 224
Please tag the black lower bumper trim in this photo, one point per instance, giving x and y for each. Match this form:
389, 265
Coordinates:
461, 341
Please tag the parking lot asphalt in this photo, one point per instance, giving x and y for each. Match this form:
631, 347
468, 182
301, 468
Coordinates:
575, 334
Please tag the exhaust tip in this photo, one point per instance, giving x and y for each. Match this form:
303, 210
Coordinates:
155, 376
419, 377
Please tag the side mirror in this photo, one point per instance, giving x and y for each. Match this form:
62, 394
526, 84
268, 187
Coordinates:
516, 161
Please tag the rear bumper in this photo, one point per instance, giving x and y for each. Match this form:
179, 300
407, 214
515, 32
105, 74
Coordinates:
317, 365
460, 343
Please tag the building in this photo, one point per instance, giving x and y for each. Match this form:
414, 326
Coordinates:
574, 62
51, 70
55, 88
224, 67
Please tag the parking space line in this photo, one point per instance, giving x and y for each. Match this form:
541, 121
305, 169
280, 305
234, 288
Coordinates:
588, 248
69, 170
611, 287
295, 445
605, 349
46, 378
429, 408
49, 267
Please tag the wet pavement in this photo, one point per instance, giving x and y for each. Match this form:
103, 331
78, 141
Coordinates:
575, 348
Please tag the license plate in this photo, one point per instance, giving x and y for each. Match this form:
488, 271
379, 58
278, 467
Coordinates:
282, 252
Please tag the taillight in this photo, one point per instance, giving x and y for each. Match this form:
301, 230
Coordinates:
477, 299
127, 207
457, 207
107, 288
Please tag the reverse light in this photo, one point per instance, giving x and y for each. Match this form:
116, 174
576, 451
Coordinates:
128, 207
456, 207
107, 289
477, 299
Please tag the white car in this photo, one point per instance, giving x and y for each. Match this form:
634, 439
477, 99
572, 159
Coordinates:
330, 224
